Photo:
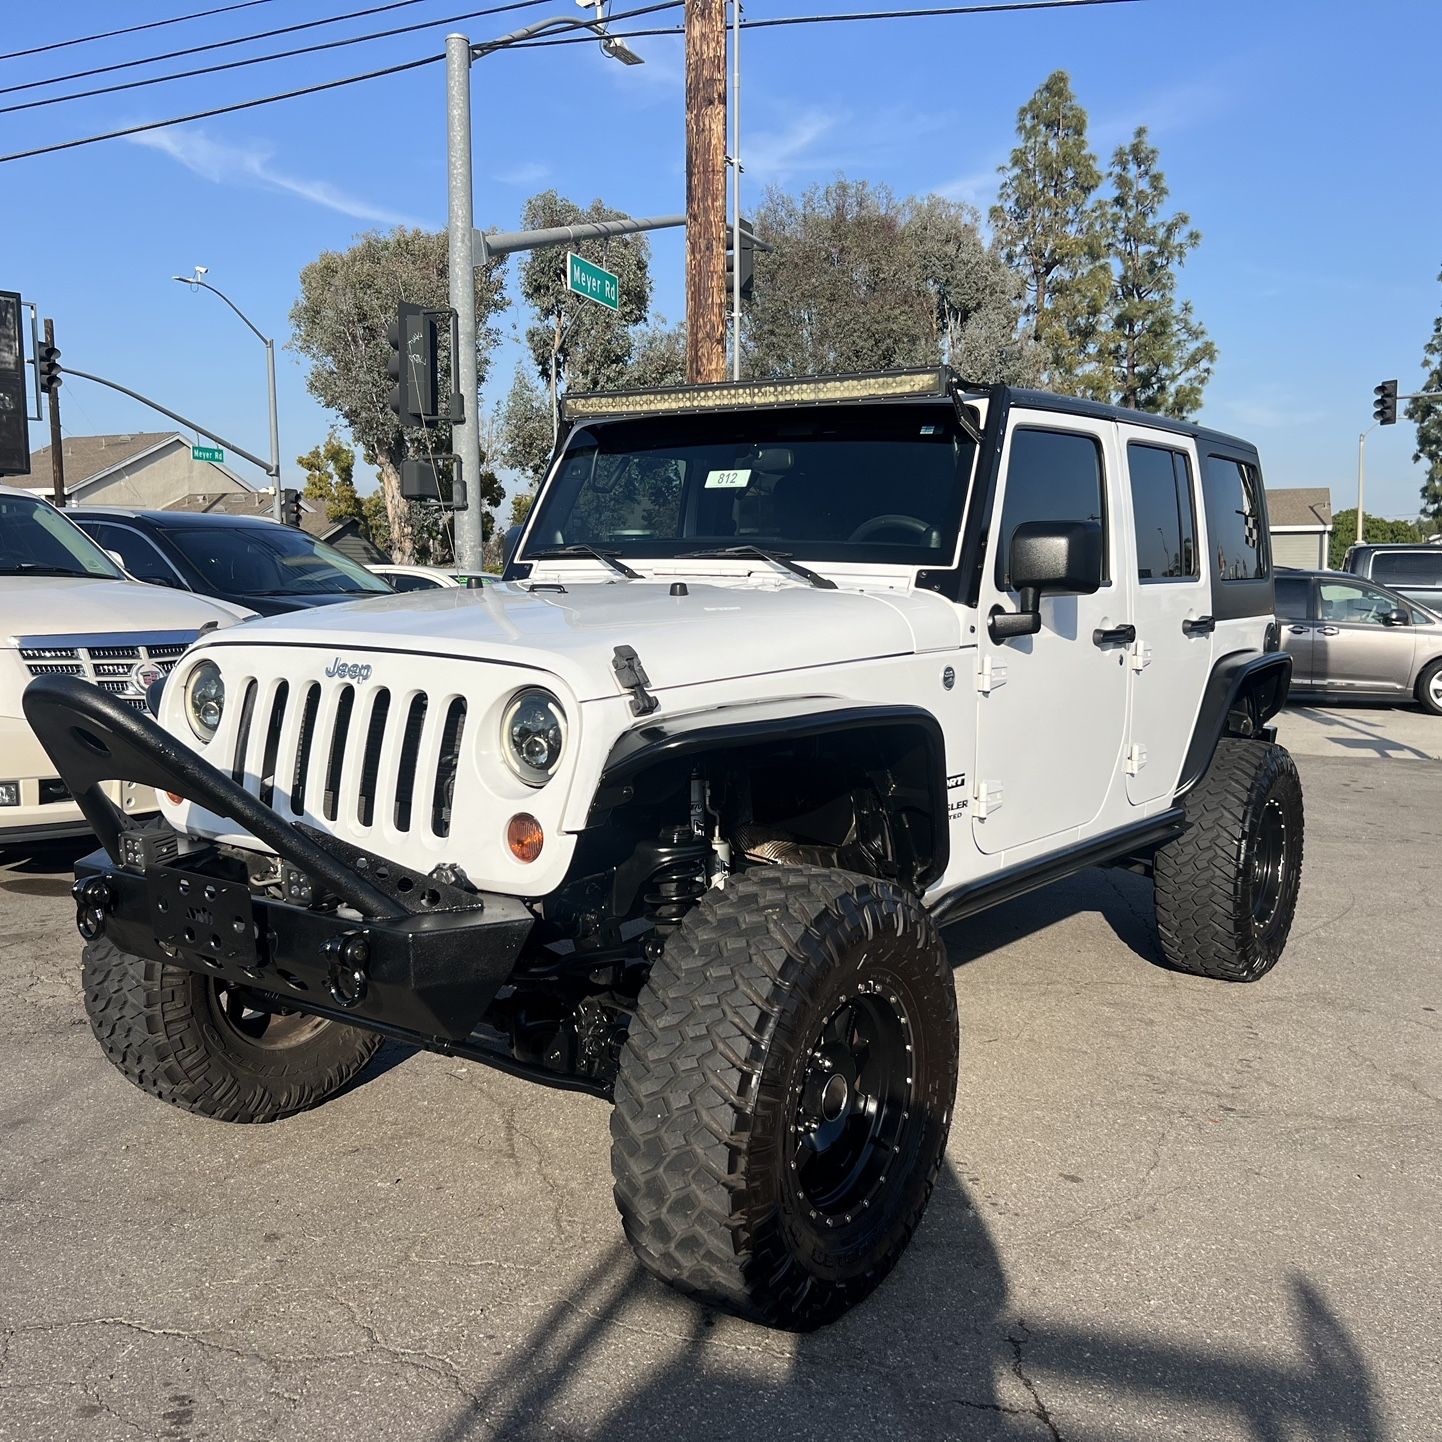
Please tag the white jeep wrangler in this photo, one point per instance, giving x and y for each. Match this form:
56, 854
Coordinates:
782, 678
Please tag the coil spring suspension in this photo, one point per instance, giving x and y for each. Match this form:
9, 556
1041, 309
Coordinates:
679, 882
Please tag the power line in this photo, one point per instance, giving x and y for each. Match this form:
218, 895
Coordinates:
310, 89
217, 45
131, 29
262, 59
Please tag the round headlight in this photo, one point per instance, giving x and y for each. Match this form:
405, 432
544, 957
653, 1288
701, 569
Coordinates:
533, 735
204, 699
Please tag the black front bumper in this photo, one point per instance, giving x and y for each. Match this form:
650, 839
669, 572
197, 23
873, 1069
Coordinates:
363, 938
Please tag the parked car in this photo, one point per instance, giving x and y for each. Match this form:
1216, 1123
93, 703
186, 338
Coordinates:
414, 578
1348, 637
1415, 571
248, 560
66, 609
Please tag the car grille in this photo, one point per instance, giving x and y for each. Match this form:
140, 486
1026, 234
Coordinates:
109, 661
355, 759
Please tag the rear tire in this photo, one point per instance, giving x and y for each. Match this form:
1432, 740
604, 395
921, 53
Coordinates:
197, 1043
1226, 889
785, 1093
1429, 689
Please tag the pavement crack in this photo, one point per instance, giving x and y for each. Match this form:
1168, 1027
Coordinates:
1018, 1336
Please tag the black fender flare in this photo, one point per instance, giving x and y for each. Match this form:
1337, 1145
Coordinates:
1265, 675
758, 723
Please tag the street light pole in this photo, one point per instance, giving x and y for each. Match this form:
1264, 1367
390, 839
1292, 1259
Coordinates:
1362, 475
273, 469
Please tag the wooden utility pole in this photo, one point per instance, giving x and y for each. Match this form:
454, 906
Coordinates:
705, 190
57, 446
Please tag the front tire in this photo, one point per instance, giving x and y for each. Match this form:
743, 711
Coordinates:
224, 1052
1429, 689
785, 1093
1226, 889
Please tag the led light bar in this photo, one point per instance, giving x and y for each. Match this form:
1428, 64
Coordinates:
934, 381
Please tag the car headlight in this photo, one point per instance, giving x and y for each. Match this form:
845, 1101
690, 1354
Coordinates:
204, 699
533, 735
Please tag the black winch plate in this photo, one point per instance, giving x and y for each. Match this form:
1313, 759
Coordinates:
213, 920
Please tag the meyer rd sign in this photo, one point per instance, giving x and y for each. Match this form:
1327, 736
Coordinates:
206, 453
592, 282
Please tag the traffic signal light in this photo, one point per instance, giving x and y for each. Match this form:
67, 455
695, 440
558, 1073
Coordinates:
413, 366
1384, 408
748, 260
290, 507
48, 364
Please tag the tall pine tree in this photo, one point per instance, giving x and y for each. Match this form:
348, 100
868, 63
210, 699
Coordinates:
1047, 226
1151, 351
1427, 414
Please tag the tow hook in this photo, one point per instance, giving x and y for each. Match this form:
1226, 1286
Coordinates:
93, 898
348, 979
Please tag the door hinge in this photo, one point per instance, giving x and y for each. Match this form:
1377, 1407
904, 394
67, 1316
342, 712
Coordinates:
986, 799
1136, 758
989, 676
1141, 655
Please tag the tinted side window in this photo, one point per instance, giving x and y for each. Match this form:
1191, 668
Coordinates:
1050, 476
405, 582
1350, 604
1408, 568
1238, 550
137, 554
1162, 513
1293, 597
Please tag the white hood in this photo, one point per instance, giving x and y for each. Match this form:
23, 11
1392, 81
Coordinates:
716, 631
76, 605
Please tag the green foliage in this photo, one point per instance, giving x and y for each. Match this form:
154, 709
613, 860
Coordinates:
592, 345
525, 429
1376, 530
1047, 224
329, 479
858, 280
347, 301
658, 356
1151, 353
1427, 416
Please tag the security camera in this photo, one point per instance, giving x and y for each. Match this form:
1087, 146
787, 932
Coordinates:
202, 270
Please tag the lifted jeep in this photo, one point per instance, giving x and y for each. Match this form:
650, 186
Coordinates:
782, 677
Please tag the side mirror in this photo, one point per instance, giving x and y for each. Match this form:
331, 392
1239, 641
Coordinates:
1061, 557
1397, 617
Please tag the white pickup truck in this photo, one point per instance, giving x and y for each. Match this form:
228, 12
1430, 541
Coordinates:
67, 609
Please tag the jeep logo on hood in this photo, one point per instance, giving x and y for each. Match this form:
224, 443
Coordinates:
348, 670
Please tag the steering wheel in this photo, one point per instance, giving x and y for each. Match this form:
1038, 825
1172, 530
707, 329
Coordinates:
867, 529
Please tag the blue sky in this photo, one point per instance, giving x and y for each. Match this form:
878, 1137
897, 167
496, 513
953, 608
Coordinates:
1299, 135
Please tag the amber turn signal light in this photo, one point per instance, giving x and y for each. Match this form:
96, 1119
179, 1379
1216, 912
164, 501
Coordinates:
524, 836
174, 797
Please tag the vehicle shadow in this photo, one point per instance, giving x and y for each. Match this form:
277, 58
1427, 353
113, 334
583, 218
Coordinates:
1368, 735
42, 868
939, 1351
1123, 899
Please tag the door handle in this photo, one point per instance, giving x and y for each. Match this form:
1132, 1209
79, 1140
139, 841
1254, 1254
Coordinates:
1299, 630
1202, 626
1329, 631
1116, 636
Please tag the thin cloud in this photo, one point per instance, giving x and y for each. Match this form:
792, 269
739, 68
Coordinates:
821, 140
225, 164
530, 173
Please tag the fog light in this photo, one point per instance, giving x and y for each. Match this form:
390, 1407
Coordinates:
9, 793
524, 836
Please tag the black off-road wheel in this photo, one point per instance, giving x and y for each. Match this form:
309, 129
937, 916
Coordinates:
1226, 889
785, 1093
201, 1044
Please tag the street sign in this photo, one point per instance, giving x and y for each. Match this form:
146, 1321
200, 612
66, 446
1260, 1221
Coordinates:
592, 282
206, 453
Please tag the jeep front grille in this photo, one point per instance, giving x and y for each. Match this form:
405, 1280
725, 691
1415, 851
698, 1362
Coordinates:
359, 759
108, 660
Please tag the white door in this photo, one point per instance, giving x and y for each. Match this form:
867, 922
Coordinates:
1173, 655
1051, 716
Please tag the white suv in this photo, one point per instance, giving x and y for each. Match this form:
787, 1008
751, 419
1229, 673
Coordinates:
782, 677
66, 609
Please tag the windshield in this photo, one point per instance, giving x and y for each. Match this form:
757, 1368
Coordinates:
36, 540
878, 483
269, 560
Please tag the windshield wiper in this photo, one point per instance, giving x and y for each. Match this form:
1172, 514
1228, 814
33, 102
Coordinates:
777, 558
606, 558
27, 568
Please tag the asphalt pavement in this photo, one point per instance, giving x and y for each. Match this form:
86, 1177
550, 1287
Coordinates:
1173, 1208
